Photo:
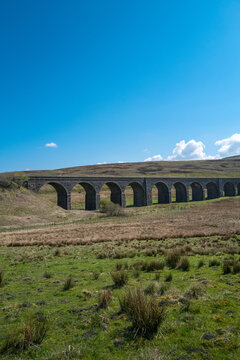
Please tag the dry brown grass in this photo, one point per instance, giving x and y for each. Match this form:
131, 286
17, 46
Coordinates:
220, 217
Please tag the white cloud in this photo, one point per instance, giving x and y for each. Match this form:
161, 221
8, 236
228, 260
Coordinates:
191, 150
102, 163
229, 146
51, 145
154, 158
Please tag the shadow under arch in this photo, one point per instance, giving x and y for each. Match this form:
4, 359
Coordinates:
181, 192
212, 191
197, 191
229, 189
138, 194
238, 189
163, 193
116, 193
90, 196
62, 195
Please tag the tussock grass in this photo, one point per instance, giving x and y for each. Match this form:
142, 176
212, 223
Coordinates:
183, 264
105, 298
120, 278
1, 277
143, 311
68, 284
32, 333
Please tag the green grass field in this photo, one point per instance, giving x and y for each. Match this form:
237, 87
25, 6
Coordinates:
201, 305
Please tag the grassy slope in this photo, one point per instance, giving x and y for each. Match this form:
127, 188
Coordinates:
21, 207
204, 168
87, 334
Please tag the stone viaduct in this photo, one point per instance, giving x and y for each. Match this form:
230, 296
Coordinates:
202, 188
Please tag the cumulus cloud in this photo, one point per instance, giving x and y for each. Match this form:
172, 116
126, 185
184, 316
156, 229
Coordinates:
229, 146
51, 145
102, 163
191, 150
154, 158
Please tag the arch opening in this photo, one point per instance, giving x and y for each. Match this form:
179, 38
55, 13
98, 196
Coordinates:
229, 189
138, 194
180, 192
162, 193
55, 193
197, 192
212, 191
238, 189
112, 192
83, 197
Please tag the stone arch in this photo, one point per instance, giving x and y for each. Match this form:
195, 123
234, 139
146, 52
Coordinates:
238, 188
138, 194
163, 193
116, 193
212, 190
229, 189
90, 196
62, 194
181, 192
197, 191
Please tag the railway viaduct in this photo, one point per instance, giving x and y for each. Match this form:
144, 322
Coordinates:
201, 189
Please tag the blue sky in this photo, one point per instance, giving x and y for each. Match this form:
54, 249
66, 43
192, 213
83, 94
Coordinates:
110, 81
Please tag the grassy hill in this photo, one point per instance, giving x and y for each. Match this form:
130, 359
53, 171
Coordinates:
228, 167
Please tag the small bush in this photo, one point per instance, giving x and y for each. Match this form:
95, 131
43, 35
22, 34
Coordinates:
172, 258
226, 267
32, 333
236, 267
105, 298
111, 209
214, 262
184, 264
120, 278
168, 277
68, 283
20, 178
143, 311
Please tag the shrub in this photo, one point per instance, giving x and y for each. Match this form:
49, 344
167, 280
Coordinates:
226, 266
214, 262
111, 209
32, 333
183, 264
136, 273
168, 277
172, 258
143, 311
120, 278
236, 267
68, 283
105, 298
